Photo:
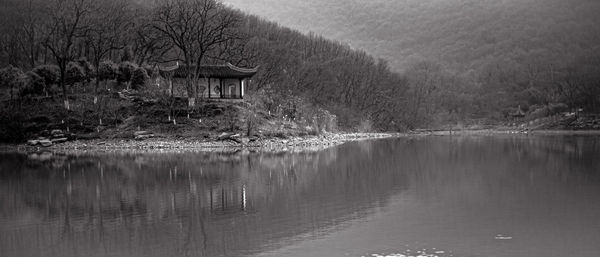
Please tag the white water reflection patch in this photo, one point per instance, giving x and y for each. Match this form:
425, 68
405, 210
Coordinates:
417, 253
503, 237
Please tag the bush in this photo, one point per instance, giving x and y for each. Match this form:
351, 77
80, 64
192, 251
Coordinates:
50, 73
74, 73
107, 70
549, 110
558, 108
151, 71
365, 126
139, 78
11, 77
88, 69
126, 70
127, 55
33, 84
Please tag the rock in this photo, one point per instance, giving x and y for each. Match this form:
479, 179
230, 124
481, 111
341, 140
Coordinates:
56, 131
224, 136
139, 133
32, 142
45, 143
142, 137
59, 140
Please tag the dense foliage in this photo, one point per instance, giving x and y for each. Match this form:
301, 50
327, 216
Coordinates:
492, 55
450, 62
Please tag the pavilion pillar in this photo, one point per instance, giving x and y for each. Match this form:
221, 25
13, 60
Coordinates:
221, 87
241, 88
209, 87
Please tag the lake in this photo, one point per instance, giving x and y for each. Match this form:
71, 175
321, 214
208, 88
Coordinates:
428, 196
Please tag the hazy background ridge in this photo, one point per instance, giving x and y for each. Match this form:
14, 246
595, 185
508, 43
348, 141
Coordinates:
463, 34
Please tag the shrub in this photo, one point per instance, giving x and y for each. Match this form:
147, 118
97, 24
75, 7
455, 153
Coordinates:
151, 71
50, 73
125, 73
139, 78
365, 126
127, 55
74, 73
88, 69
33, 84
107, 70
11, 77
549, 110
558, 108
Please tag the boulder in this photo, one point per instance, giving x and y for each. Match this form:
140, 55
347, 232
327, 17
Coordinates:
237, 138
56, 131
45, 143
139, 133
33, 142
142, 137
225, 136
59, 140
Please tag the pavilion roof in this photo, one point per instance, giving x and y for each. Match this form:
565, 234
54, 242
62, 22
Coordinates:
209, 71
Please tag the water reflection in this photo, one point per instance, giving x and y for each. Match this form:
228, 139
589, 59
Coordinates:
243, 203
223, 204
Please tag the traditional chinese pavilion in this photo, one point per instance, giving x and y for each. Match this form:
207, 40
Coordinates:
216, 81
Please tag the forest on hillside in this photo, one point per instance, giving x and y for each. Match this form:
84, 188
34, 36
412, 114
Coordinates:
48, 48
493, 55
444, 63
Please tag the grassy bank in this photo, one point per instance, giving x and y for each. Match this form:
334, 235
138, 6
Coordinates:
118, 115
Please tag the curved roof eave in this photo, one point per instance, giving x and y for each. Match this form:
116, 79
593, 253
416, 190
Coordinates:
243, 70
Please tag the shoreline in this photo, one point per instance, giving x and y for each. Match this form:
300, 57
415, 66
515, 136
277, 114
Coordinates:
168, 144
293, 144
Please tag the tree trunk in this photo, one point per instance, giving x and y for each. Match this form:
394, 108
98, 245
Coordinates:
64, 89
97, 79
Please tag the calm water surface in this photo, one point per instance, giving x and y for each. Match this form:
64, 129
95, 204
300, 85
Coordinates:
434, 196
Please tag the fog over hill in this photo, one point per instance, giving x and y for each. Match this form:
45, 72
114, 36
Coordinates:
463, 34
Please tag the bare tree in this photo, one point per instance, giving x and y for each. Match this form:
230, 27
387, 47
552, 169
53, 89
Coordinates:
109, 22
68, 25
30, 31
10, 51
149, 45
195, 28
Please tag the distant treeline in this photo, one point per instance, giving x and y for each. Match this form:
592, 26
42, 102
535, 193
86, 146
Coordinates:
86, 40
493, 55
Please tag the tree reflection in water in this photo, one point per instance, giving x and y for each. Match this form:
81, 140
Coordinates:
242, 203
202, 204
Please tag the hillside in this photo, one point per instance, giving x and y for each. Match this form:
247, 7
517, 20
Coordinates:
464, 34
466, 61
305, 84
397, 65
